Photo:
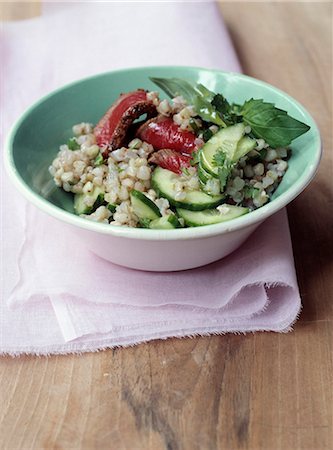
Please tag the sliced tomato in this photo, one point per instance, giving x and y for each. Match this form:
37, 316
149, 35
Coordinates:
162, 132
112, 128
171, 160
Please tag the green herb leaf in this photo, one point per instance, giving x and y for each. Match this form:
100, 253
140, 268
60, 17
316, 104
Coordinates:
99, 160
209, 95
176, 86
72, 144
207, 111
194, 158
200, 97
194, 126
272, 124
223, 173
228, 112
224, 166
250, 192
207, 134
221, 104
219, 158
111, 207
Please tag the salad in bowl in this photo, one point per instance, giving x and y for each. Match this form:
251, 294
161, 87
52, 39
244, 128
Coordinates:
194, 160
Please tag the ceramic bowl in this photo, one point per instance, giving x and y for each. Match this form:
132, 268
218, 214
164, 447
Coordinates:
35, 138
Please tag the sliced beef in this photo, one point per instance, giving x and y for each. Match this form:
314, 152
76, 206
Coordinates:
111, 130
170, 159
162, 132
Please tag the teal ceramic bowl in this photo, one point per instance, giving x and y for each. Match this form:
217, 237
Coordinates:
35, 139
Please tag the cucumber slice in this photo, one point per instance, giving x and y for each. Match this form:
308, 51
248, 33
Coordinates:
211, 216
208, 183
80, 206
143, 207
244, 146
165, 223
203, 175
163, 181
225, 140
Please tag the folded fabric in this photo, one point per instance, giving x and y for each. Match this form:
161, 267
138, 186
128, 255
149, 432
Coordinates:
57, 296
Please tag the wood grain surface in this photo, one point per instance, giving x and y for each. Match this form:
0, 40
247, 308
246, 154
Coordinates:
260, 391
12, 10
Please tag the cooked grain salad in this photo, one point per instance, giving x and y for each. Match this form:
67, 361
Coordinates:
194, 160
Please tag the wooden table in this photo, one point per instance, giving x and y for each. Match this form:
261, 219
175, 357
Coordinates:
259, 391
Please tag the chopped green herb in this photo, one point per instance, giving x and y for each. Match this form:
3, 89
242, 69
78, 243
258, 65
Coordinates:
224, 166
72, 144
263, 153
221, 104
228, 112
111, 207
194, 158
223, 173
99, 160
219, 158
251, 192
194, 125
207, 134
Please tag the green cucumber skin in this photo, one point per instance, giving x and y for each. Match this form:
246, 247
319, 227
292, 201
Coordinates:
212, 202
201, 218
81, 208
165, 223
245, 145
207, 171
234, 150
143, 207
173, 220
203, 175
226, 140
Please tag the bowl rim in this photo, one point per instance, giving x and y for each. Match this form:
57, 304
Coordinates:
254, 217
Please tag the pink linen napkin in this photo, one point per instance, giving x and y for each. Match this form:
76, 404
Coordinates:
57, 297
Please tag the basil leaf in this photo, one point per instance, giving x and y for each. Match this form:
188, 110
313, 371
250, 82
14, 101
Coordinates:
228, 112
209, 95
272, 124
207, 112
175, 86
200, 97
221, 104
